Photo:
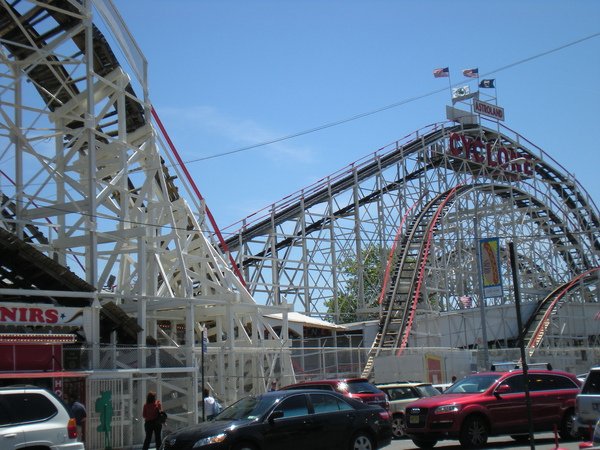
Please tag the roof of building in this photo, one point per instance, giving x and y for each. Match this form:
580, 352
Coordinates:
307, 321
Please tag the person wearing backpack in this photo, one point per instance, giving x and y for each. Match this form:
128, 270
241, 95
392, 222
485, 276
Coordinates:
152, 422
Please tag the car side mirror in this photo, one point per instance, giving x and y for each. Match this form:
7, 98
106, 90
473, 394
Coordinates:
502, 389
275, 415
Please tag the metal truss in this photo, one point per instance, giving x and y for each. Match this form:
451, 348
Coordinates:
508, 188
89, 181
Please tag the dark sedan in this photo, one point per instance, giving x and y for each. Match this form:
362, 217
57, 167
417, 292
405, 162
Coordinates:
289, 420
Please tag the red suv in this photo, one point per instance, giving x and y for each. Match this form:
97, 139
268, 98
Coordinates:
358, 388
493, 403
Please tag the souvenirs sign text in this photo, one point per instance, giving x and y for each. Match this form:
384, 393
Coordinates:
39, 314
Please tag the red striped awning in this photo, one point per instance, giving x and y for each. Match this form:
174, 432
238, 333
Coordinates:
61, 374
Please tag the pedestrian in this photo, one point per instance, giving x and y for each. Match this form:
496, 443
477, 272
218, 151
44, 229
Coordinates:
273, 386
78, 412
211, 406
152, 424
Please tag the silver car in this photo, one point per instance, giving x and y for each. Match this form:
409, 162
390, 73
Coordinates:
401, 394
587, 406
32, 417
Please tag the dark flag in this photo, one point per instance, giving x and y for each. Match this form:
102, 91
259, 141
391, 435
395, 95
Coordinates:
487, 83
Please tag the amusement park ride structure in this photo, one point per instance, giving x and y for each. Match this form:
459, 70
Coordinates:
91, 181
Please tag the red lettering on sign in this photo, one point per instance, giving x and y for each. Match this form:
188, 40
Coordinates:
51, 316
455, 139
23, 314
527, 165
503, 156
8, 314
476, 150
489, 156
36, 315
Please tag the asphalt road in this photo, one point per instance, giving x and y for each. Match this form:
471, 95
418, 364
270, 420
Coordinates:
543, 441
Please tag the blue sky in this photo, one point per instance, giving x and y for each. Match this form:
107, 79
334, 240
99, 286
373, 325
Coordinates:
227, 74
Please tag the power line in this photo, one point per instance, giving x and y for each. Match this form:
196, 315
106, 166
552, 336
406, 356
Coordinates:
390, 106
378, 110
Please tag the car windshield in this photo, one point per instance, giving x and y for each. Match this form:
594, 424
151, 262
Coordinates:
248, 408
361, 387
427, 390
472, 384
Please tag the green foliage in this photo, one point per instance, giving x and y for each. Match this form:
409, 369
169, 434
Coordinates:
374, 260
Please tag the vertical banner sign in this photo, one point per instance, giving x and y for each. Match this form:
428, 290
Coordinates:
489, 252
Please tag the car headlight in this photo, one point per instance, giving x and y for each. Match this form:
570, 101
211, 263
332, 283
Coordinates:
210, 440
446, 409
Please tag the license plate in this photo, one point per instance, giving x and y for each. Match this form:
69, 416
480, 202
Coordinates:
414, 419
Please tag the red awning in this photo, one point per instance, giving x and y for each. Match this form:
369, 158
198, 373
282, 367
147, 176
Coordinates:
62, 374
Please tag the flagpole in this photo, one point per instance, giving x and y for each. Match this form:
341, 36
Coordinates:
478, 97
495, 92
450, 85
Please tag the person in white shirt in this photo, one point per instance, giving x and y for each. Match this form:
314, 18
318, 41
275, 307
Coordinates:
211, 406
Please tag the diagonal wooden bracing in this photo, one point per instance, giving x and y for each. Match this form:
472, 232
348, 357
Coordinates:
87, 179
537, 324
364, 205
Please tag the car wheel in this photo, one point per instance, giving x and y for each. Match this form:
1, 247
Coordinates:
566, 426
474, 432
424, 443
244, 446
398, 426
361, 441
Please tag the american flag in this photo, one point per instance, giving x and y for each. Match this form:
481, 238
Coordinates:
441, 72
471, 73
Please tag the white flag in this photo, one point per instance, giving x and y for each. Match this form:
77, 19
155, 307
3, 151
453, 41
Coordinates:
460, 92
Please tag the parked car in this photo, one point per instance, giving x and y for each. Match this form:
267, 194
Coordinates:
402, 393
494, 403
290, 420
596, 435
587, 405
32, 417
441, 387
582, 376
357, 388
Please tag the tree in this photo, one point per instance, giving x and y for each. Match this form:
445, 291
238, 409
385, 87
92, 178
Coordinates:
374, 259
